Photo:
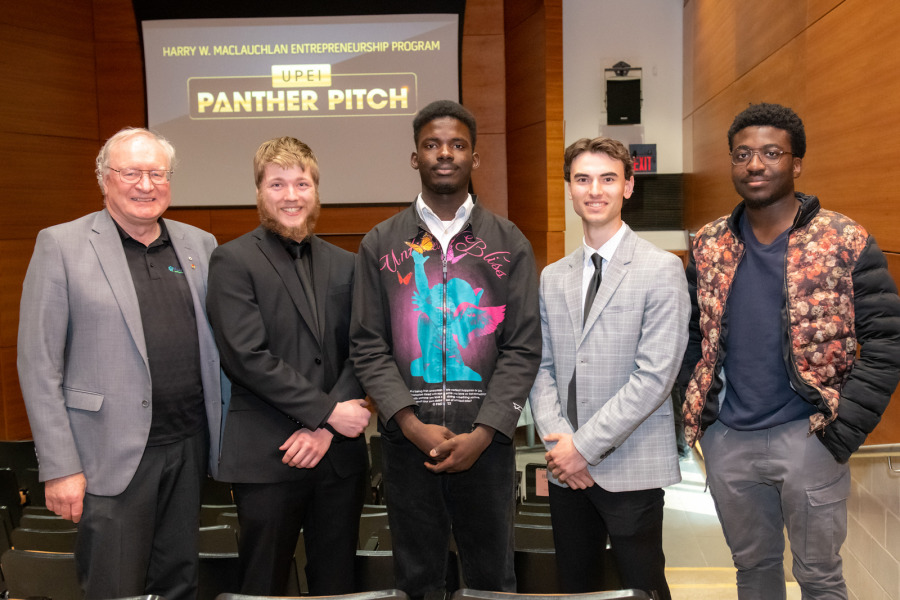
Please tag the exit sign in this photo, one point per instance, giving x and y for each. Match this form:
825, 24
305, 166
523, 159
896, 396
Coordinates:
643, 156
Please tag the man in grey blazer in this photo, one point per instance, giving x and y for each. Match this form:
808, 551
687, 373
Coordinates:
614, 318
120, 376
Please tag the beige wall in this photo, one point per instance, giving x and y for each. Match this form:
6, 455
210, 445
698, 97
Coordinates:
872, 551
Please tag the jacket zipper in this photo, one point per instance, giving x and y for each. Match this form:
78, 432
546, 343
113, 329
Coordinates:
444, 338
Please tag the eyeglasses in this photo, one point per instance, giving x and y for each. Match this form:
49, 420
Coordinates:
157, 176
769, 156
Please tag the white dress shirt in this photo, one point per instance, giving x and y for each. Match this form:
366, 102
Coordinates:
444, 230
605, 251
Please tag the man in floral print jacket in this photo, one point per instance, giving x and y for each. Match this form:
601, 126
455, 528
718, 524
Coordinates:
783, 294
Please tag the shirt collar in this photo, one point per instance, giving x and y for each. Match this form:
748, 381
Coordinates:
162, 239
426, 214
294, 248
605, 251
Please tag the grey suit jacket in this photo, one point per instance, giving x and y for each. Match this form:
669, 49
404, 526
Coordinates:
82, 359
628, 354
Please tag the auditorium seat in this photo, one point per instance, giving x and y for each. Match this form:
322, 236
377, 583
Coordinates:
534, 507
215, 492
31, 574
44, 540
209, 513
220, 567
467, 594
533, 537
10, 496
375, 570
532, 518
387, 594
536, 571
369, 524
230, 519
45, 522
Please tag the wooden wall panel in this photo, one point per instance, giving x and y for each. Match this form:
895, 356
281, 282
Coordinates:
526, 82
713, 56
67, 18
709, 183
546, 246
356, 219
836, 73
527, 176
483, 17
515, 13
766, 83
229, 223
48, 85
851, 114
755, 39
687, 53
120, 88
120, 72
534, 105
816, 9
483, 81
45, 180
484, 93
14, 419
14, 257
114, 21
489, 179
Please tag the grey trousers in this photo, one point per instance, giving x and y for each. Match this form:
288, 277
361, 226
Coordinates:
144, 541
762, 481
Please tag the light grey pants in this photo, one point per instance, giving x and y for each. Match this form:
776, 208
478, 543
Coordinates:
762, 481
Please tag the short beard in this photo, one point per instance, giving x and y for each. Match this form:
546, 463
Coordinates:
298, 234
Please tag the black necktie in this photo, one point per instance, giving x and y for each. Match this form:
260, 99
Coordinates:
593, 286
300, 252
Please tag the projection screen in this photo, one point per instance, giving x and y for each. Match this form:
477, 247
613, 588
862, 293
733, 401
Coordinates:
347, 86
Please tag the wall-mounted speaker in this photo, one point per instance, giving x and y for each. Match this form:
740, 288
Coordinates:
623, 101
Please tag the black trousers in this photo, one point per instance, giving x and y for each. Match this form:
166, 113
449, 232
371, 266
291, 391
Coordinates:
144, 541
325, 506
423, 508
582, 519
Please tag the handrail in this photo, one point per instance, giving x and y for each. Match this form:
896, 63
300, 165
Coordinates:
879, 451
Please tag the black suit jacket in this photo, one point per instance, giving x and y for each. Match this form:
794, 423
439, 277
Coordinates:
285, 372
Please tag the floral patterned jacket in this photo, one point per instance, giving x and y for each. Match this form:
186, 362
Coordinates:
839, 295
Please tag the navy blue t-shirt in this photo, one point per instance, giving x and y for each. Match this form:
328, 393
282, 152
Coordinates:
758, 392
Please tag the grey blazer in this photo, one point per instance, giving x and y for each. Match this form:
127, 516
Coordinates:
628, 354
82, 359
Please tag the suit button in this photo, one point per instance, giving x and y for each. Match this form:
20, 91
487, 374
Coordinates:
145, 403
318, 361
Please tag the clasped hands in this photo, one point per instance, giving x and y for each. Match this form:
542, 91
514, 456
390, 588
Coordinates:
566, 463
448, 452
305, 447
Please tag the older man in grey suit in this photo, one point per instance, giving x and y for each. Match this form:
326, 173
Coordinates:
614, 318
120, 376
